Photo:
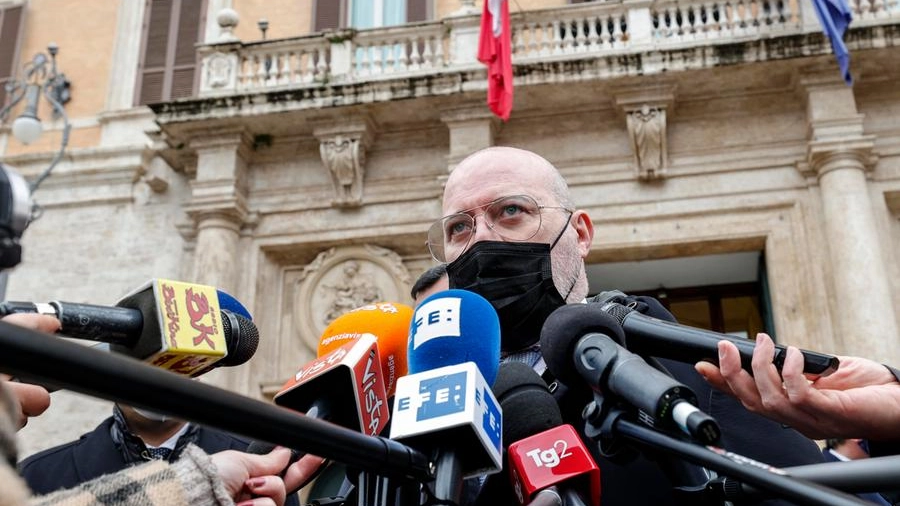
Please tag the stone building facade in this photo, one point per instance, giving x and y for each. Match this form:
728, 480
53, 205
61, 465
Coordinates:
302, 168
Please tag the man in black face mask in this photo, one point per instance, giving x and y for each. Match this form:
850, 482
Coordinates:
511, 234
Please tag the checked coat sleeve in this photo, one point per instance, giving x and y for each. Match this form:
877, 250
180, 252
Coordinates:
190, 481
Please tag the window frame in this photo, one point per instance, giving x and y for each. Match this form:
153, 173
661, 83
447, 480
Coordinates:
169, 67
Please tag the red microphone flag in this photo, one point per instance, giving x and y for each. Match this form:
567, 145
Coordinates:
495, 51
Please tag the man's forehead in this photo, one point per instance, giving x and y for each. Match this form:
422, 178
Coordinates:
476, 185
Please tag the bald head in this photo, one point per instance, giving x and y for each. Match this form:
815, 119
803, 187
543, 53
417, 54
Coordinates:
503, 171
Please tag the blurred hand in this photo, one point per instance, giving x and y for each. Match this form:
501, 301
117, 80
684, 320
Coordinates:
253, 479
860, 399
33, 399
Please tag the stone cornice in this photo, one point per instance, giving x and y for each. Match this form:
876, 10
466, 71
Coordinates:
475, 112
472, 78
230, 209
824, 156
892, 199
86, 176
216, 139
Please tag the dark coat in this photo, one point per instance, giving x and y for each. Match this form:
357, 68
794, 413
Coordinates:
872, 497
642, 480
94, 454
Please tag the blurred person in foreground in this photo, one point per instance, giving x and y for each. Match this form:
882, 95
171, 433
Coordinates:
844, 450
130, 436
511, 233
224, 478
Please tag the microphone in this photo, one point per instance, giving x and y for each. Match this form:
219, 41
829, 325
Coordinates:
548, 462
445, 405
586, 335
17, 209
388, 322
528, 408
338, 371
320, 387
527, 404
169, 324
650, 336
555, 460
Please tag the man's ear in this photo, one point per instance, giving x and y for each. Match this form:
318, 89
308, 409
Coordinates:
585, 230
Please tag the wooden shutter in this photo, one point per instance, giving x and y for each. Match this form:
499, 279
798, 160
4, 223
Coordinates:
169, 58
185, 58
152, 75
329, 14
10, 31
416, 10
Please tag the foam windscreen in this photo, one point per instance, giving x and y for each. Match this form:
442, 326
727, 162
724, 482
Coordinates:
562, 330
452, 327
388, 322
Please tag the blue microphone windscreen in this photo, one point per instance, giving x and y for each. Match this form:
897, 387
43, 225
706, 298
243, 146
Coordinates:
452, 327
229, 303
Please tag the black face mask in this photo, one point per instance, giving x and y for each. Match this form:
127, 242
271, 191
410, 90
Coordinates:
516, 278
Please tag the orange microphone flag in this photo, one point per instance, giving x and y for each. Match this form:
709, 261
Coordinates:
495, 51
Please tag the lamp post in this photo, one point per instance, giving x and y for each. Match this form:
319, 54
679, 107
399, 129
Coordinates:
263, 25
39, 77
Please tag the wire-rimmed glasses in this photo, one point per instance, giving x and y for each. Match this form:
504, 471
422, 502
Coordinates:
513, 218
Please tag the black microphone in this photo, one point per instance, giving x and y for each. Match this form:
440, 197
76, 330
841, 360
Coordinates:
857, 476
548, 462
172, 325
17, 209
528, 408
650, 336
585, 335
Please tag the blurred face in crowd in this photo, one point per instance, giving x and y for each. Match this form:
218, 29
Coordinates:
443, 283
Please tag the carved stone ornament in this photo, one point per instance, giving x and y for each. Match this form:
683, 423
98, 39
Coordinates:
220, 69
647, 130
344, 156
339, 280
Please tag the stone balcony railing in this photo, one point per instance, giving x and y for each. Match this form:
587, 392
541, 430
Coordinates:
586, 30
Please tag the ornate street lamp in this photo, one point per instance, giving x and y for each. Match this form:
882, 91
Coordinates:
17, 208
40, 77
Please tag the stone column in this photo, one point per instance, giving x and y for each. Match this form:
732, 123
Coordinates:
840, 156
218, 207
471, 128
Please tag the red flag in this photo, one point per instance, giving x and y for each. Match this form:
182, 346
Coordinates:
495, 51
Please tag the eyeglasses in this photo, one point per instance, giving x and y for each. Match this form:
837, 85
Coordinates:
515, 218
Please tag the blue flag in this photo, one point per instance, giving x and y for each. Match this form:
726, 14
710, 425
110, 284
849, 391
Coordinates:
835, 17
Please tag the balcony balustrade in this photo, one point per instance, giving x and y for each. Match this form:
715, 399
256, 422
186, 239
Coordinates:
587, 30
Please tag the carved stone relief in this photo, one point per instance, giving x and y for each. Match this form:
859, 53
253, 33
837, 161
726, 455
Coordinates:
220, 70
343, 143
647, 130
345, 158
647, 110
342, 279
